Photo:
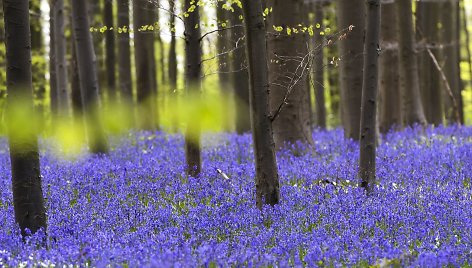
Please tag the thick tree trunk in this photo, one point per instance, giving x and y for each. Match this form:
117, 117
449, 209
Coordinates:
390, 97
412, 108
124, 53
351, 54
110, 49
267, 178
144, 69
369, 97
193, 83
26, 179
60, 59
240, 78
88, 77
319, 67
76, 97
288, 61
428, 35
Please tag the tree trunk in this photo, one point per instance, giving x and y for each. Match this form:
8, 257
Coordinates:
88, 77
144, 69
124, 53
287, 74
193, 83
38, 54
77, 106
319, 67
240, 78
369, 97
110, 49
26, 179
390, 98
428, 34
267, 178
351, 54
53, 96
412, 108
60, 59
172, 49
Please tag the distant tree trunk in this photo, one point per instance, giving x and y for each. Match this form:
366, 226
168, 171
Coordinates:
60, 59
144, 70
240, 78
124, 53
151, 11
319, 67
110, 49
287, 74
172, 49
95, 14
192, 83
450, 41
351, 54
38, 51
88, 77
332, 70
428, 35
412, 108
267, 177
52, 63
390, 97
24, 157
369, 97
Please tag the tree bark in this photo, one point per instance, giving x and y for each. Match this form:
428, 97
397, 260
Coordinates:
240, 78
288, 75
172, 49
369, 97
26, 179
412, 108
428, 34
267, 178
351, 54
124, 53
60, 59
390, 97
193, 83
88, 77
144, 69
319, 67
110, 49
52, 63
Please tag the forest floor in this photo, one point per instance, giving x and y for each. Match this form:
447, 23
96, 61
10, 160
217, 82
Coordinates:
135, 206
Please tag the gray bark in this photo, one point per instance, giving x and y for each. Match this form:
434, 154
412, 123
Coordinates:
319, 67
110, 60
124, 53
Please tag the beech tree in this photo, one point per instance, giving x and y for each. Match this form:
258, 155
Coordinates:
24, 157
124, 53
318, 66
193, 74
350, 14
267, 178
88, 77
369, 96
288, 64
110, 59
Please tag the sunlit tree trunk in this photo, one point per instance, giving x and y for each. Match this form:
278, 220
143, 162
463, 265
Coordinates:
86, 61
26, 179
193, 84
267, 178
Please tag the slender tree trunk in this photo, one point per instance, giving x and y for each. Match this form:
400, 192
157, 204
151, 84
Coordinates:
144, 71
38, 52
76, 97
124, 53
428, 34
390, 97
412, 108
287, 74
319, 67
110, 49
60, 59
88, 77
52, 63
240, 78
26, 179
172, 49
267, 178
193, 83
369, 96
351, 54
